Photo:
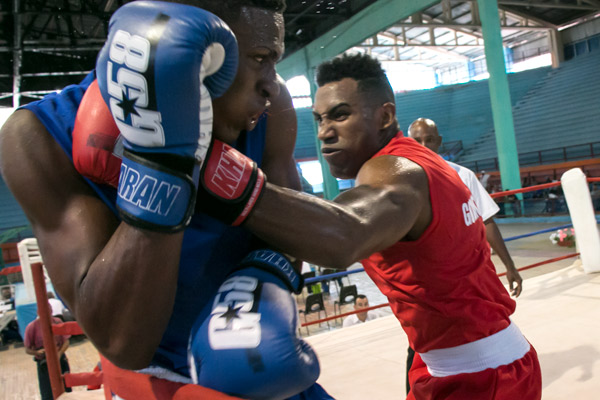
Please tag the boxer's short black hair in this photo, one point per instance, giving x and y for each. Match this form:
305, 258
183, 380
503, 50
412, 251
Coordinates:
363, 68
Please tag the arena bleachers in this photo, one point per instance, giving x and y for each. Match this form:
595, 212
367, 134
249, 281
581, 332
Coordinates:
559, 111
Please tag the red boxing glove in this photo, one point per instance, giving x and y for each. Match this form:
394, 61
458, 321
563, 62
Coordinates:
231, 184
95, 135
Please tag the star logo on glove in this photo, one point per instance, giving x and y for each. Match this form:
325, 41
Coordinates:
231, 313
128, 106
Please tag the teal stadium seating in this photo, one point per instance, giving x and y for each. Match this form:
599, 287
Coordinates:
560, 110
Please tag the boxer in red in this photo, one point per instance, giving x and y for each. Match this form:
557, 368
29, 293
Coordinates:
419, 234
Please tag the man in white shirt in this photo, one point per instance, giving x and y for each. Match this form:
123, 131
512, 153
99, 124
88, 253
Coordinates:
360, 302
484, 178
57, 306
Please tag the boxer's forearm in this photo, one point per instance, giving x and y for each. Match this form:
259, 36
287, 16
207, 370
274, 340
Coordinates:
297, 224
334, 234
133, 281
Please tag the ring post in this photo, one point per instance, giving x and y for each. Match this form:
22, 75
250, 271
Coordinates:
579, 201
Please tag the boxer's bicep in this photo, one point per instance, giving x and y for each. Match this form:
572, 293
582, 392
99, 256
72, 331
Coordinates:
70, 223
393, 197
96, 264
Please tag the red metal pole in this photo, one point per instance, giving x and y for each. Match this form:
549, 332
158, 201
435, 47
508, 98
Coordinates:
43, 308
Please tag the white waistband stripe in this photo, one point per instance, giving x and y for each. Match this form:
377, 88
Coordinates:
501, 348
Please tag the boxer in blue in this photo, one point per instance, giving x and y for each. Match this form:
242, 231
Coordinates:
139, 266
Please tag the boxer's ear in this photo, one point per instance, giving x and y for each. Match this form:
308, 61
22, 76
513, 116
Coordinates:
388, 115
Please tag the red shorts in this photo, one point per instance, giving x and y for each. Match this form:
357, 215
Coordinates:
522, 379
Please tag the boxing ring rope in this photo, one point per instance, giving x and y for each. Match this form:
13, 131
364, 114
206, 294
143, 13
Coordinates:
543, 262
342, 315
328, 277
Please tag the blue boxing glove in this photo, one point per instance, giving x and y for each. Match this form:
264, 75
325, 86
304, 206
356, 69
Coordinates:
249, 345
160, 66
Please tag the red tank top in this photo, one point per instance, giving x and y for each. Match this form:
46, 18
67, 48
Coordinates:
442, 287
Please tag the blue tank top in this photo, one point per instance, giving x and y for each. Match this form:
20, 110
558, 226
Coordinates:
210, 248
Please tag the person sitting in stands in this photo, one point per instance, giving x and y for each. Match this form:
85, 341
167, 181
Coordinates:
361, 302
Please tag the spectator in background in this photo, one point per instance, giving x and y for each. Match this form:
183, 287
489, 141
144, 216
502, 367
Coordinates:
515, 204
7, 297
58, 308
483, 179
34, 345
9, 332
499, 201
361, 302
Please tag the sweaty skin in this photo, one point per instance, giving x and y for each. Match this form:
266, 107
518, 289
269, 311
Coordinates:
120, 281
256, 81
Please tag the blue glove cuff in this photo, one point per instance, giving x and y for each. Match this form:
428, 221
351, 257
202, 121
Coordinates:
276, 264
154, 197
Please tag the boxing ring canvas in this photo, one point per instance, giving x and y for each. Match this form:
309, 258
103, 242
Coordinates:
559, 312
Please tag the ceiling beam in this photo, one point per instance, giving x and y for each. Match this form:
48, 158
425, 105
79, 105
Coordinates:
522, 14
413, 44
364, 24
470, 26
545, 5
593, 4
400, 43
304, 12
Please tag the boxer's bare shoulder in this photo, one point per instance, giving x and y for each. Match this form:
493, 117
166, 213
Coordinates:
61, 208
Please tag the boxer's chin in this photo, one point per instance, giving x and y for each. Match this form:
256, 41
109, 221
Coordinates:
251, 124
226, 134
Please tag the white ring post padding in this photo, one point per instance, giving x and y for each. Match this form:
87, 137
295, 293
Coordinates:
29, 253
579, 201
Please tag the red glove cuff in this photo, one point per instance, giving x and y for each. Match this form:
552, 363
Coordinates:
233, 183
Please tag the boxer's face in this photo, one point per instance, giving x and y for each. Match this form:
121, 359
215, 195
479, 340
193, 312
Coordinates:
260, 39
359, 305
348, 127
